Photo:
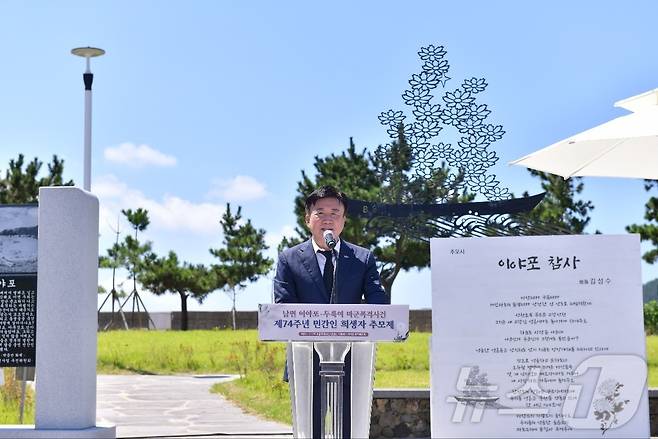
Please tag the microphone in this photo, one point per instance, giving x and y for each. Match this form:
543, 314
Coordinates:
329, 239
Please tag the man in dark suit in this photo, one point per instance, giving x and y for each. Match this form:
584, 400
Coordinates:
306, 272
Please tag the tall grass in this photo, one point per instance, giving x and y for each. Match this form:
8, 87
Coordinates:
262, 391
10, 400
261, 388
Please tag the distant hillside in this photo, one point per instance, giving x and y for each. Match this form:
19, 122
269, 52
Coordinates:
21, 231
650, 290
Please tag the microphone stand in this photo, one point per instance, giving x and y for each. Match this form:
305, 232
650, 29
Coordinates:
334, 295
332, 377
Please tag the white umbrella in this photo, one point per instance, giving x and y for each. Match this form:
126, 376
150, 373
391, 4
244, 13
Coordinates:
624, 147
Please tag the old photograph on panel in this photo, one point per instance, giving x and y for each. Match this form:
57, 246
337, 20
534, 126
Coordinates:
18, 239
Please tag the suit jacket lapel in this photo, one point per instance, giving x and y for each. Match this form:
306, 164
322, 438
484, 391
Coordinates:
310, 261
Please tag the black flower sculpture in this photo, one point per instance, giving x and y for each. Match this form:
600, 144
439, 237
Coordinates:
426, 181
473, 155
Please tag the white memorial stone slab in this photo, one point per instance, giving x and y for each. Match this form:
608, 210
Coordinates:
18, 284
538, 337
66, 322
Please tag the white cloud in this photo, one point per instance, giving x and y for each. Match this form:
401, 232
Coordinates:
138, 156
273, 239
169, 213
239, 188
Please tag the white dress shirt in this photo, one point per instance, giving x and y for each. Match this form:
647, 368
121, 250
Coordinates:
321, 258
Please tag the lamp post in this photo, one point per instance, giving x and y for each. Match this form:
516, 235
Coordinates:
88, 77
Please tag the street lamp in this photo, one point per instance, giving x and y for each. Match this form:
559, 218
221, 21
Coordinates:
88, 77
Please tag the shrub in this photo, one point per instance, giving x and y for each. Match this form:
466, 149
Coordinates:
11, 397
651, 317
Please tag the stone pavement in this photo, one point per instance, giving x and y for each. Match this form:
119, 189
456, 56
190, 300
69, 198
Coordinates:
176, 406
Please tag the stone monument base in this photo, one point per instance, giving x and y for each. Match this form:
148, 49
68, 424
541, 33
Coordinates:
28, 431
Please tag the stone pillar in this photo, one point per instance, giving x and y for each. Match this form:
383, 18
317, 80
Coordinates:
67, 287
66, 317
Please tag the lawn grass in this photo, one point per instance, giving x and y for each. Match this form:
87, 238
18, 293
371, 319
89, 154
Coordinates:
652, 360
260, 390
171, 352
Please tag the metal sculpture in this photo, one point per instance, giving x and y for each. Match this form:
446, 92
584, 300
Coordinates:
473, 155
469, 158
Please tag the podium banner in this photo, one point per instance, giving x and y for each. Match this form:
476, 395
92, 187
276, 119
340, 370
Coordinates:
320, 322
538, 336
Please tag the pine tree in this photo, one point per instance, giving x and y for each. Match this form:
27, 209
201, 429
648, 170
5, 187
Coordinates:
399, 245
113, 260
241, 257
352, 172
649, 231
22, 185
162, 275
415, 168
559, 207
129, 254
132, 251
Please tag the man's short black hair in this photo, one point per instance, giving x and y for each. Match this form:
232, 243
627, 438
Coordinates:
325, 192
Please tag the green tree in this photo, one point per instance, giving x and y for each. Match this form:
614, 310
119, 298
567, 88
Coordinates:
131, 252
241, 257
162, 275
651, 317
559, 207
114, 259
21, 185
352, 172
398, 244
409, 238
649, 231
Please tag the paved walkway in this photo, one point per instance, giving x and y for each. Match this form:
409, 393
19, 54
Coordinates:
166, 406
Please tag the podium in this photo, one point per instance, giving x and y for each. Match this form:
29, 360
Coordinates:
332, 331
